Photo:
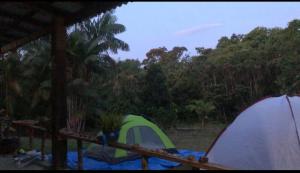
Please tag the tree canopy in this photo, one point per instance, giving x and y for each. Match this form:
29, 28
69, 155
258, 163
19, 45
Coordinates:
169, 85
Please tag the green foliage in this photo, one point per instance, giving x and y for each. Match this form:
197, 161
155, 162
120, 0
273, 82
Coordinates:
201, 108
169, 85
110, 122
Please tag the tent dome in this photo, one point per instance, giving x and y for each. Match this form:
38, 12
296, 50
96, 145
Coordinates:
264, 136
135, 130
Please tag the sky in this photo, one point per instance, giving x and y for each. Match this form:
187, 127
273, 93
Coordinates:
194, 24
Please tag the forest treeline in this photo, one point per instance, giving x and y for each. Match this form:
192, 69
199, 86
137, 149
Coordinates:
169, 85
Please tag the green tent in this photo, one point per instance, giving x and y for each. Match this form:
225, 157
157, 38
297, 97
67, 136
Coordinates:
135, 130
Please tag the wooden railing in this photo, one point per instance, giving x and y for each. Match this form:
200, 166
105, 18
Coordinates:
31, 127
145, 153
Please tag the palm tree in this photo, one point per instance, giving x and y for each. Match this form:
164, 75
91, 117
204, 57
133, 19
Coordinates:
11, 80
88, 55
36, 75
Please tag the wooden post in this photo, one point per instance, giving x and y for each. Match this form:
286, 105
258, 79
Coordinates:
58, 93
43, 145
144, 163
18, 131
79, 154
31, 138
202, 159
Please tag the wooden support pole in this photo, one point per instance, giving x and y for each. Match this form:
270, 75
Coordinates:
202, 159
58, 93
31, 138
18, 131
79, 154
144, 163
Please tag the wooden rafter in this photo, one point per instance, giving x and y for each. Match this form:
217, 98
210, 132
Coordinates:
4, 37
19, 42
15, 25
88, 10
20, 18
46, 7
9, 35
10, 26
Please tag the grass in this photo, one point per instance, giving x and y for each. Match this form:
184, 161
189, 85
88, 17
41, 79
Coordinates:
197, 140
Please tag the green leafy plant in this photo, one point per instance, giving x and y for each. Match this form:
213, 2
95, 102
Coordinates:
110, 122
201, 108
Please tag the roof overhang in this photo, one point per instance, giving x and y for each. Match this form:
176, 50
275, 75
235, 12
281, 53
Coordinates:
22, 22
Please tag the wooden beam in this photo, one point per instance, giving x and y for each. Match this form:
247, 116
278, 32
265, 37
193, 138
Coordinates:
89, 10
20, 18
146, 152
19, 42
46, 7
12, 34
5, 26
4, 38
9, 36
58, 93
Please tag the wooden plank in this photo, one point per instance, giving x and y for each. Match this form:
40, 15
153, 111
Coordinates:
58, 93
20, 122
29, 124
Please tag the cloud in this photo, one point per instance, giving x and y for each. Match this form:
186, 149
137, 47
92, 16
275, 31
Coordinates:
196, 29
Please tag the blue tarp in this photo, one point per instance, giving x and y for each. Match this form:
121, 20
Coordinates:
154, 163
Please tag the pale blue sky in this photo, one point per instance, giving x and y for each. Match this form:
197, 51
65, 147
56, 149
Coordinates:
195, 24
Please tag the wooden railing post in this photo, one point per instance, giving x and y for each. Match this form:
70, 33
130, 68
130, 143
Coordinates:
202, 159
79, 154
31, 138
17, 130
144, 162
43, 145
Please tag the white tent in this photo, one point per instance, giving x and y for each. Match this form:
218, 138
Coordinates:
264, 136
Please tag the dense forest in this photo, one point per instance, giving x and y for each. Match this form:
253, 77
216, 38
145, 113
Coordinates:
169, 85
